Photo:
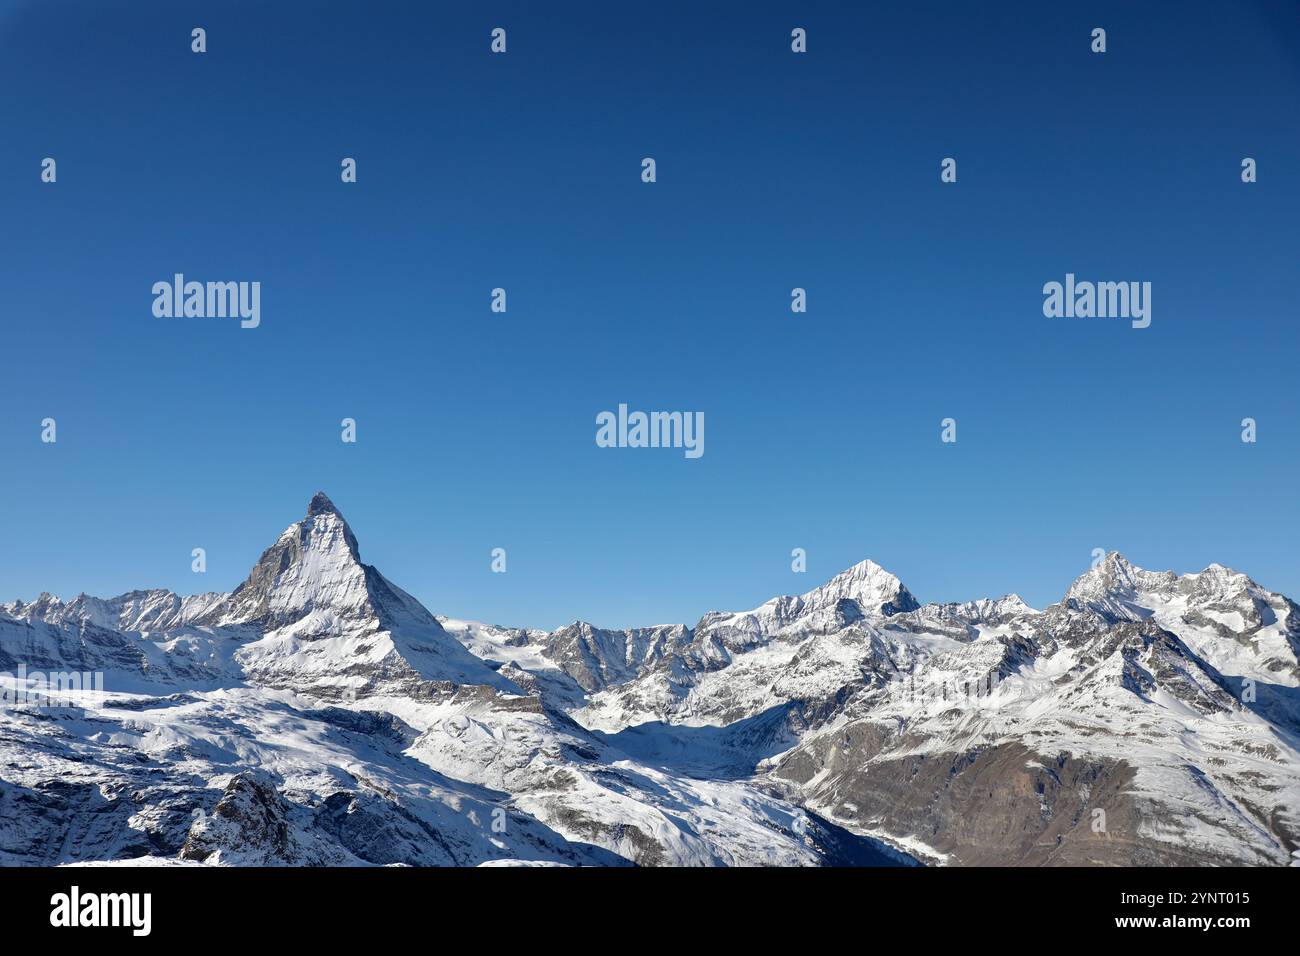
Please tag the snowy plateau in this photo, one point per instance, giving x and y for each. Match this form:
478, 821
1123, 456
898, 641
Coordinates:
319, 715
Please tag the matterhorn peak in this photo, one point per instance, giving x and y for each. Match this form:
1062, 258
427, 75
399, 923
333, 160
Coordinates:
320, 504
313, 573
326, 617
320, 507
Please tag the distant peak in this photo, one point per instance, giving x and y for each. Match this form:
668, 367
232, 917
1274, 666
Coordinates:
321, 505
1113, 576
1113, 564
867, 572
874, 588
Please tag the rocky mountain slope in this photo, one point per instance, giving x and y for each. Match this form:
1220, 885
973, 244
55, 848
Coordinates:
1147, 718
318, 714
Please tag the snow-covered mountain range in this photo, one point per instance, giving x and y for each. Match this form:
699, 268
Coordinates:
318, 714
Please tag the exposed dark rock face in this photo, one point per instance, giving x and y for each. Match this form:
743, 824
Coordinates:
251, 826
67, 821
597, 657
1002, 805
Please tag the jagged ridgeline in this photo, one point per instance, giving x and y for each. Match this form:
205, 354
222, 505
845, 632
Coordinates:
320, 715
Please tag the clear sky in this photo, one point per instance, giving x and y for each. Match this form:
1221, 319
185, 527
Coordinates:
775, 170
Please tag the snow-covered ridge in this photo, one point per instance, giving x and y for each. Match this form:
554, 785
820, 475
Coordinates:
320, 714
1208, 656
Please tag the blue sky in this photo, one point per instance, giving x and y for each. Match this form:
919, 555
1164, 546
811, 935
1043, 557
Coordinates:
775, 170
